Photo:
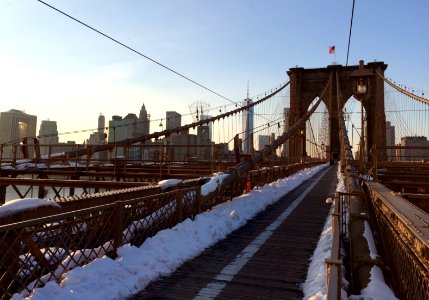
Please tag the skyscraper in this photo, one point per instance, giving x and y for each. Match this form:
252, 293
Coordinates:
101, 124
206, 117
173, 119
247, 127
390, 140
286, 114
122, 128
143, 126
14, 126
262, 141
48, 135
419, 153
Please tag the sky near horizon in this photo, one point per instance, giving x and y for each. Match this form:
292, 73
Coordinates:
57, 69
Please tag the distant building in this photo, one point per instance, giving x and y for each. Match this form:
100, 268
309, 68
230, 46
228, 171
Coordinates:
173, 119
272, 137
65, 147
48, 136
121, 129
247, 126
286, 114
97, 138
14, 126
390, 140
421, 152
262, 141
101, 124
206, 117
143, 125
184, 146
204, 143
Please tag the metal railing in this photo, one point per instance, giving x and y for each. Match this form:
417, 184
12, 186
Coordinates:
334, 262
403, 227
33, 252
39, 246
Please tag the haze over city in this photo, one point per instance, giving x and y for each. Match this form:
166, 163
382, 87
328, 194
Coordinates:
57, 69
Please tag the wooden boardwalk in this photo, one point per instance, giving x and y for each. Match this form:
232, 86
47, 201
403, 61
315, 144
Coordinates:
267, 258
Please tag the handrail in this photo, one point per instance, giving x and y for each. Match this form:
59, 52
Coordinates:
334, 262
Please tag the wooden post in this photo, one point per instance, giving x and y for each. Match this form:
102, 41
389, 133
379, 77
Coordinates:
24, 148
179, 206
117, 238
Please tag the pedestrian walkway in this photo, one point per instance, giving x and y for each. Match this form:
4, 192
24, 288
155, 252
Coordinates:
267, 258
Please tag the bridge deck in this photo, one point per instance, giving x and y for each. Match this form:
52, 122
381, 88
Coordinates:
255, 261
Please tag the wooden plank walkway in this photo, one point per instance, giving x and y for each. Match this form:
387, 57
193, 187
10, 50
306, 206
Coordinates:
267, 258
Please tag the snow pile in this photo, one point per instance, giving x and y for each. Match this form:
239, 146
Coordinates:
377, 288
20, 205
165, 184
162, 254
213, 184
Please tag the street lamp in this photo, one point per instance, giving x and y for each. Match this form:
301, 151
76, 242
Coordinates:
361, 92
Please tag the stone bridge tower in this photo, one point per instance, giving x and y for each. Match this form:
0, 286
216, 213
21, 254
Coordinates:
307, 84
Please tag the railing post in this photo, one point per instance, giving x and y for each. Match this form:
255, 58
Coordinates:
179, 206
88, 156
119, 213
3, 194
24, 148
212, 158
36, 149
197, 201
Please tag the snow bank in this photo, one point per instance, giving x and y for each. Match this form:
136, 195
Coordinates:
14, 206
213, 184
165, 184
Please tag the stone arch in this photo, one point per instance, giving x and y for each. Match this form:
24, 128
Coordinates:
307, 84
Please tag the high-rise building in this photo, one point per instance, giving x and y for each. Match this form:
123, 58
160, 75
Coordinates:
247, 126
390, 140
263, 140
206, 117
143, 126
173, 119
286, 114
203, 142
121, 129
48, 136
101, 124
98, 138
184, 146
421, 151
14, 126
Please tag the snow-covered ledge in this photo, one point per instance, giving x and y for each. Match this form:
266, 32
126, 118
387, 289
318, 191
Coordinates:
14, 207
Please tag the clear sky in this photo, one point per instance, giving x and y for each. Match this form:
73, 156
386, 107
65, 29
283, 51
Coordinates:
55, 68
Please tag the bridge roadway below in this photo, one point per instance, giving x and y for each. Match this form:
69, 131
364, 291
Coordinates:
267, 258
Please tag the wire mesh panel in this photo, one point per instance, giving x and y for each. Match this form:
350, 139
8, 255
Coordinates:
145, 216
37, 251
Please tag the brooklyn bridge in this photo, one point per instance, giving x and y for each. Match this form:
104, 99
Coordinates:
336, 121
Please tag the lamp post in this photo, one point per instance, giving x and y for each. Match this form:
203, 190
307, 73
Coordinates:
361, 91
